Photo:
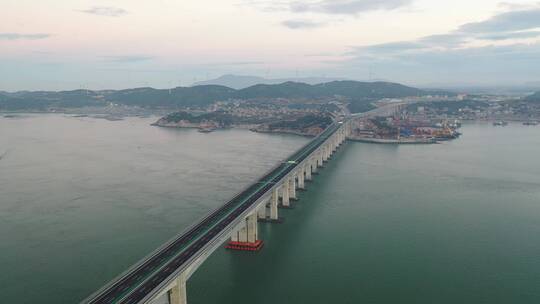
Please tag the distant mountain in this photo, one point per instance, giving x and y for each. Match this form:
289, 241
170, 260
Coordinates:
239, 82
172, 98
359, 94
233, 81
283, 90
357, 89
346, 88
42, 100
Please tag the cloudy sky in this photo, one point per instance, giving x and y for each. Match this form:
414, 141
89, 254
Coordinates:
70, 44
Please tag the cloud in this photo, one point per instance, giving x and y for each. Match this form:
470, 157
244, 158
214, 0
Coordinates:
18, 36
332, 7
107, 11
444, 40
244, 63
515, 35
480, 50
509, 21
494, 64
346, 7
329, 8
517, 6
232, 63
302, 24
514, 25
127, 59
395, 46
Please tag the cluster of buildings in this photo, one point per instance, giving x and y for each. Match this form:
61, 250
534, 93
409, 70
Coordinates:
487, 108
401, 129
272, 110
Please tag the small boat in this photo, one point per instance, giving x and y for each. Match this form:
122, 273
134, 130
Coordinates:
501, 123
531, 123
206, 130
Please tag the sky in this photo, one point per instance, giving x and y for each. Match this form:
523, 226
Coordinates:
113, 44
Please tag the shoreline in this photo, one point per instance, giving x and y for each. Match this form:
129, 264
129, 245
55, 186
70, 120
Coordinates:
250, 128
389, 141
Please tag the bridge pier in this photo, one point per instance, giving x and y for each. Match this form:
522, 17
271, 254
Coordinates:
261, 212
292, 188
268, 211
328, 151
285, 193
252, 228
178, 294
274, 205
247, 237
242, 235
301, 185
308, 170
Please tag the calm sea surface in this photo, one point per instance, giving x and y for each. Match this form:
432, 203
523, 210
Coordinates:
81, 199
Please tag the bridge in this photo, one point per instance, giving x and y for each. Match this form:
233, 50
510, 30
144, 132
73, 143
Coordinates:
161, 277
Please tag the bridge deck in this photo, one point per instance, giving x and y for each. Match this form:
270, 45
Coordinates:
134, 285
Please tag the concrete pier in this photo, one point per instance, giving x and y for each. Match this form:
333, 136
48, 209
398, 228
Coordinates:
308, 171
274, 205
285, 193
292, 188
252, 229
242, 234
246, 238
301, 177
326, 153
178, 294
261, 213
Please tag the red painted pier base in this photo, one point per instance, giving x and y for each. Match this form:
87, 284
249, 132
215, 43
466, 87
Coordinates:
245, 246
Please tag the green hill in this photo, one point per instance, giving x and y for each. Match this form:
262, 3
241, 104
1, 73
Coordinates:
359, 94
173, 98
283, 90
43, 100
350, 89
356, 89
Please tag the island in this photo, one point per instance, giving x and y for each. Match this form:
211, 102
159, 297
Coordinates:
306, 124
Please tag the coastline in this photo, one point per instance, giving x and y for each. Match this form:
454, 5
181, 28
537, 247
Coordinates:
403, 141
252, 128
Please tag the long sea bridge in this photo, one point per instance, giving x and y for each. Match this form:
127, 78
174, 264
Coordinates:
161, 276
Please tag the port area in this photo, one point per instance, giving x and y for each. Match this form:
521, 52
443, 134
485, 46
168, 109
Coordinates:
401, 129
245, 246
